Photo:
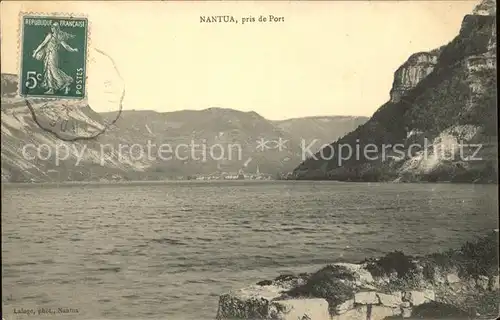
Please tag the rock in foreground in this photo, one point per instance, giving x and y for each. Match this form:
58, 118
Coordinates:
457, 284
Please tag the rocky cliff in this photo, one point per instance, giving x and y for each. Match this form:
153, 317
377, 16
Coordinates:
440, 122
486, 7
457, 284
31, 154
416, 68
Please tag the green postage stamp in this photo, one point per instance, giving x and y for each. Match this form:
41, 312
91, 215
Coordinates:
53, 56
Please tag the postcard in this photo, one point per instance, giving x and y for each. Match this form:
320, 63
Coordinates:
310, 160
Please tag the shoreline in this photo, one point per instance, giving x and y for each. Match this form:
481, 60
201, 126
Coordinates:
455, 284
249, 180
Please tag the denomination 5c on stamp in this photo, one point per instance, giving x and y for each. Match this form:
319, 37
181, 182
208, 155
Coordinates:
53, 56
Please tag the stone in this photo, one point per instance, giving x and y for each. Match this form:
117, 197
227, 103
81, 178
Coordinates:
368, 287
406, 312
429, 295
482, 282
265, 283
362, 275
390, 300
416, 68
256, 291
494, 283
300, 309
357, 313
344, 306
251, 302
406, 304
458, 287
471, 283
231, 307
452, 278
415, 298
366, 297
382, 312
439, 278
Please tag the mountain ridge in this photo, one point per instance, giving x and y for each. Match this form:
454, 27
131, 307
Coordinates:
101, 159
317, 117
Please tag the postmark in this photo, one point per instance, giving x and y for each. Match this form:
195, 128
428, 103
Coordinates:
55, 60
53, 56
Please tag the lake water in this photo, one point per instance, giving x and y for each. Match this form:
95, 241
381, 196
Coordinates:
168, 250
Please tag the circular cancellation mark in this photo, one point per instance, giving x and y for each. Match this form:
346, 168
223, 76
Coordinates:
71, 119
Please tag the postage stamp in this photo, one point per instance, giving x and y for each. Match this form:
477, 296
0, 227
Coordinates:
53, 56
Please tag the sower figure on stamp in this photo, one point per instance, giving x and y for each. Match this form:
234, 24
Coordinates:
54, 79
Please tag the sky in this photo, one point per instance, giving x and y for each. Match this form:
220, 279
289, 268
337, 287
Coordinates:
323, 58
